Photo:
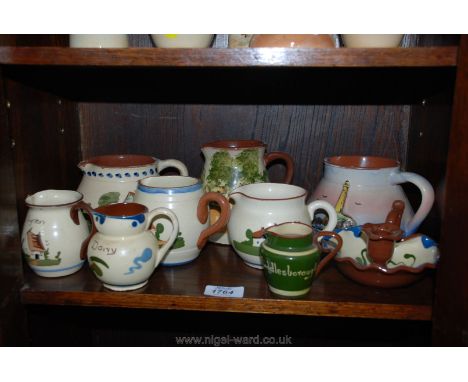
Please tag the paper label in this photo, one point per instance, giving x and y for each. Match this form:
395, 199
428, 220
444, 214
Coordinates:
223, 291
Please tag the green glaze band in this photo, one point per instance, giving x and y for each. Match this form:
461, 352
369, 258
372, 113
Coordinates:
286, 272
290, 244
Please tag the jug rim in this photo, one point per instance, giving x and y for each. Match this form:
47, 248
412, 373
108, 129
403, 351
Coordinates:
235, 144
79, 198
361, 162
291, 236
114, 210
195, 184
240, 190
119, 161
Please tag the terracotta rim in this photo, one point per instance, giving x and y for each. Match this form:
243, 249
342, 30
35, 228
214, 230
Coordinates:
55, 205
122, 209
400, 268
119, 160
362, 162
270, 199
235, 144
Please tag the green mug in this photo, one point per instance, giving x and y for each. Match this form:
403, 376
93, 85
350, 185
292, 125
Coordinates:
291, 257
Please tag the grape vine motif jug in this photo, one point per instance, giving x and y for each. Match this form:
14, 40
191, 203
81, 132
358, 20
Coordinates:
121, 250
232, 164
114, 178
363, 189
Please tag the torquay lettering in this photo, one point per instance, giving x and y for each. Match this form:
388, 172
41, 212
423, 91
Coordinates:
273, 268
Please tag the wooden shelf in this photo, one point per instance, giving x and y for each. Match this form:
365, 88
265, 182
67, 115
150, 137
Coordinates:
182, 288
261, 57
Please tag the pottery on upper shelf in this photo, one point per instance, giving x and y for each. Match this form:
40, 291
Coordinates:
239, 40
182, 40
371, 40
292, 41
99, 41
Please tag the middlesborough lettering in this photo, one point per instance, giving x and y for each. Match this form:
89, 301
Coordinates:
107, 250
273, 268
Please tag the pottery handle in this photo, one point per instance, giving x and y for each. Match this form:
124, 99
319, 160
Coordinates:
172, 163
330, 254
321, 204
203, 211
270, 157
427, 192
175, 230
74, 216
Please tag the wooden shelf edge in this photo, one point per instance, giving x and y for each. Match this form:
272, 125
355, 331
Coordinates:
237, 305
223, 57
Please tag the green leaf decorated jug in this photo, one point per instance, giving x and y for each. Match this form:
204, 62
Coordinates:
232, 164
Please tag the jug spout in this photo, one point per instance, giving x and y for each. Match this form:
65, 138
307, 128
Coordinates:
83, 165
86, 165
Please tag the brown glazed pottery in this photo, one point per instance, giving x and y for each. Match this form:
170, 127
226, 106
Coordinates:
292, 41
381, 237
381, 243
374, 277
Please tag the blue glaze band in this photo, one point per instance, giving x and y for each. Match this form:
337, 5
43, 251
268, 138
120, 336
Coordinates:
176, 264
120, 175
101, 218
41, 269
170, 191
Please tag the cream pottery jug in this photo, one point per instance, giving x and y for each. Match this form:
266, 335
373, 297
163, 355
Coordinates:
185, 197
363, 189
50, 240
371, 40
232, 164
99, 41
262, 205
182, 40
114, 178
121, 250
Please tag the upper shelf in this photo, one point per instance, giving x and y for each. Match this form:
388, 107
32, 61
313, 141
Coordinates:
247, 57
